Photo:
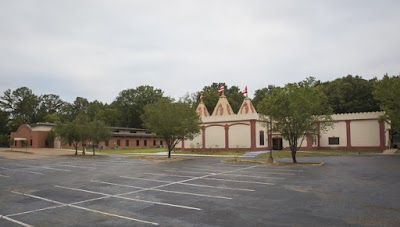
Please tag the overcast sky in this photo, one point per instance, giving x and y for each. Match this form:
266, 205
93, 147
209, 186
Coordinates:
95, 49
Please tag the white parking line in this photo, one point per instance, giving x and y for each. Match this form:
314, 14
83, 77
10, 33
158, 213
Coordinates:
127, 198
273, 173
15, 221
184, 171
4, 176
167, 175
43, 167
87, 209
144, 179
80, 167
241, 175
161, 190
196, 185
23, 171
238, 181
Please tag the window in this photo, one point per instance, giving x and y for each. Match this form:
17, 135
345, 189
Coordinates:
137, 143
161, 142
333, 140
145, 142
261, 138
118, 143
15, 142
154, 142
314, 140
127, 143
30, 142
106, 143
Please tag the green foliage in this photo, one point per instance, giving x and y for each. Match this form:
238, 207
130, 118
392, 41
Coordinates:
98, 131
387, 92
211, 96
172, 121
296, 109
130, 104
350, 94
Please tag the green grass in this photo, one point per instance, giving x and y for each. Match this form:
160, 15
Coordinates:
155, 150
238, 153
126, 151
288, 154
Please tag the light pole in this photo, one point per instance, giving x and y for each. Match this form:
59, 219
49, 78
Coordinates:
270, 159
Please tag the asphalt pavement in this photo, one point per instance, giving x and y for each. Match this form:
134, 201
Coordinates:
198, 191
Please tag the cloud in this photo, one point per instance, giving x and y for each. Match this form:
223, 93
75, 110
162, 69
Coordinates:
95, 49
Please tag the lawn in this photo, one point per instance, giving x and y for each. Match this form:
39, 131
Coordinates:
156, 150
127, 151
287, 154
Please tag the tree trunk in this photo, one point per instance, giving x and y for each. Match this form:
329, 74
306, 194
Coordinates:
93, 151
169, 148
76, 150
293, 149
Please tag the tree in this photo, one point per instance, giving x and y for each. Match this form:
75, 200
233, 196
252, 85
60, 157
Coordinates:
350, 94
172, 121
211, 96
75, 132
296, 109
21, 104
69, 132
260, 94
98, 131
387, 92
130, 104
50, 107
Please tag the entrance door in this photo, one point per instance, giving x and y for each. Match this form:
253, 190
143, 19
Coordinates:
277, 143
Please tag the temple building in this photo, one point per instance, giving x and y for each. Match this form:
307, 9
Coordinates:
248, 130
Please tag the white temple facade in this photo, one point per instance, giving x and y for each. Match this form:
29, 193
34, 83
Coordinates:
247, 130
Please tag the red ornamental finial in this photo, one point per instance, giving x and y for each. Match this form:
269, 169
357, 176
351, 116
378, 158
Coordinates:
221, 89
244, 92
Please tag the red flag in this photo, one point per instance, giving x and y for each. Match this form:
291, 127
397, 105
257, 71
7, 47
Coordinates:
221, 89
244, 91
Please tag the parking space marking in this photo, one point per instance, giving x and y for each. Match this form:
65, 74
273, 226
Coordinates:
43, 167
241, 175
196, 185
273, 173
87, 209
278, 169
23, 171
167, 175
184, 171
4, 176
161, 190
81, 167
37, 210
127, 198
238, 181
15, 221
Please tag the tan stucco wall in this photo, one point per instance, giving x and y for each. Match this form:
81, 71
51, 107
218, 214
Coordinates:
215, 137
338, 130
365, 133
239, 136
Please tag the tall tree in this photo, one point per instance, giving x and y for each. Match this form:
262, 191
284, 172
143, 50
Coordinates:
98, 131
161, 119
21, 104
211, 96
350, 94
296, 109
130, 104
387, 92
50, 107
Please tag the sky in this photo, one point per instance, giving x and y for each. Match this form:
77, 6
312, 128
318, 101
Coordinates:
97, 48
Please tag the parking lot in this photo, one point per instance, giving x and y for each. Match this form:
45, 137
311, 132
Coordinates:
124, 191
